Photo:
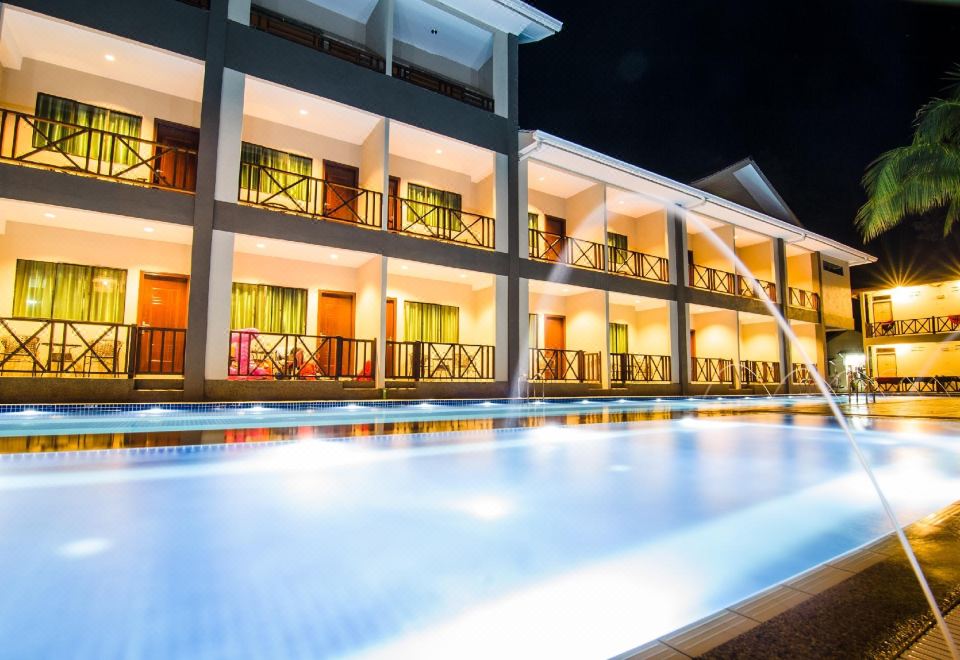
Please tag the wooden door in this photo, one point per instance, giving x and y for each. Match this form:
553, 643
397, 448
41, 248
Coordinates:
393, 203
554, 343
882, 311
335, 318
340, 191
693, 343
555, 238
391, 337
886, 363
176, 168
162, 316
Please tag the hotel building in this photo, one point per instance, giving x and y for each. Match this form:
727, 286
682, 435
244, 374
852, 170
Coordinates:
332, 199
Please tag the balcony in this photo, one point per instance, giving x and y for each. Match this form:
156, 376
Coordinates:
621, 261
719, 281
55, 348
923, 326
804, 299
712, 370
54, 145
258, 355
748, 288
549, 364
301, 194
441, 85
423, 360
759, 372
441, 223
919, 384
636, 368
556, 248
800, 374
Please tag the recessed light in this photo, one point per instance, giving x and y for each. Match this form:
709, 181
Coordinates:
620, 202
566, 290
260, 246
110, 58
541, 178
334, 256
404, 267
49, 215
439, 151
149, 230
304, 112
463, 276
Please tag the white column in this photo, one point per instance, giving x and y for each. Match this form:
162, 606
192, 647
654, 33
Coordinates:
675, 333
523, 313
239, 11
501, 73
523, 203
500, 367
371, 322
501, 203
605, 356
375, 166
230, 137
218, 305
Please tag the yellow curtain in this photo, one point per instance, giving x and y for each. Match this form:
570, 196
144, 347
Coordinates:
430, 322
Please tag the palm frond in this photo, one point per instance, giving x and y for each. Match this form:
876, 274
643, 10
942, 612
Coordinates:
939, 121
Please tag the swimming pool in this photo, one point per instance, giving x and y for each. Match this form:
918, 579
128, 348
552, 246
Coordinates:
555, 541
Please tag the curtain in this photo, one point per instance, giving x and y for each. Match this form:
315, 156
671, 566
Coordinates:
430, 322
618, 338
33, 288
533, 220
69, 292
108, 293
292, 169
271, 309
435, 208
99, 145
618, 247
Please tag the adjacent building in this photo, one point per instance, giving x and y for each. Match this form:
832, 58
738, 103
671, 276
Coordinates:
294, 199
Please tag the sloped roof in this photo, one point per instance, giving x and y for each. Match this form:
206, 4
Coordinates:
746, 184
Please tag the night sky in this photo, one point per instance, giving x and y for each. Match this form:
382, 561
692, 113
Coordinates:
813, 90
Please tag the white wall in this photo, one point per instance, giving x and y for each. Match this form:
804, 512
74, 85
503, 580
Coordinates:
648, 330
716, 334
477, 308
759, 341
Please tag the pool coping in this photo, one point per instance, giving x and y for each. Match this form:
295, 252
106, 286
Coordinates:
712, 631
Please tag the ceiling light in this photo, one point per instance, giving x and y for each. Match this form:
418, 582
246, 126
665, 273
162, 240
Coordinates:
566, 290
304, 112
334, 256
620, 202
149, 230
439, 151
541, 178
260, 246
463, 276
110, 58
49, 215
404, 267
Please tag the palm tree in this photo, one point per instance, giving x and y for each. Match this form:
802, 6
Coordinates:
921, 177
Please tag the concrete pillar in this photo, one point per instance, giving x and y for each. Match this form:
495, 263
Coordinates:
375, 166
379, 32
372, 309
520, 230
605, 355
501, 365
220, 288
501, 201
501, 74
677, 249
821, 326
780, 272
521, 371
239, 11
515, 218
230, 136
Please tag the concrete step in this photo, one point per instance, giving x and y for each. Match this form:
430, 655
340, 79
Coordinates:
158, 384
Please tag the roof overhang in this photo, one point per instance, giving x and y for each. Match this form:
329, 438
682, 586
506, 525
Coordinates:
575, 158
510, 16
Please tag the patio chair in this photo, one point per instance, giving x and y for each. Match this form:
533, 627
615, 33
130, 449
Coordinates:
15, 355
108, 351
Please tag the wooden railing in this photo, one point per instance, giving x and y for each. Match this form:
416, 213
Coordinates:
800, 375
258, 355
159, 351
921, 384
441, 85
426, 360
563, 365
748, 288
712, 370
50, 144
203, 4
711, 279
622, 261
315, 38
547, 246
635, 368
305, 195
441, 223
923, 326
757, 371
46, 347
804, 299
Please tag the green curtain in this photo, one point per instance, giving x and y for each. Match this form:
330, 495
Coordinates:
435, 208
618, 247
430, 322
69, 292
102, 145
33, 288
271, 309
533, 220
618, 338
292, 168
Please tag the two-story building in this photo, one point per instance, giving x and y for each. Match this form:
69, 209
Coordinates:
324, 199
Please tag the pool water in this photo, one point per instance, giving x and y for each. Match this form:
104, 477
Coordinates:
558, 541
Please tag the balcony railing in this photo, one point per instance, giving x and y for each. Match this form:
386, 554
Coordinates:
547, 246
258, 355
756, 371
159, 351
711, 279
425, 360
315, 38
622, 261
45, 347
747, 288
562, 365
305, 195
712, 370
921, 384
38, 142
800, 375
923, 326
635, 368
441, 85
804, 299
441, 223
203, 4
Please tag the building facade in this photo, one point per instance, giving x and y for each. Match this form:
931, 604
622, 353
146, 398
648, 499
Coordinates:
311, 199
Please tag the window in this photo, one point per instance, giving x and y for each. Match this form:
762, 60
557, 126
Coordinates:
277, 173
430, 322
118, 143
533, 220
271, 309
618, 338
831, 267
70, 292
435, 208
618, 247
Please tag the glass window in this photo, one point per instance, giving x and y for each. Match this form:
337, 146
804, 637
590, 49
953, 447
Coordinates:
116, 135
274, 172
618, 338
70, 292
270, 309
618, 247
430, 322
432, 207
